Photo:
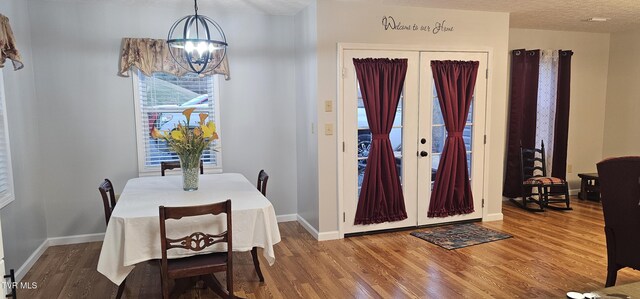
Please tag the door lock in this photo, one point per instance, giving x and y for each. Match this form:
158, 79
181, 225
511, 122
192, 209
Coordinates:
423, 141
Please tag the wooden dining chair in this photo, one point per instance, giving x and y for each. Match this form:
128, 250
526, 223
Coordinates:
109, 203
263, 178
200, 265
169, 165
108, 198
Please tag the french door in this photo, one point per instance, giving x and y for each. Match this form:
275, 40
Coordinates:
417, 137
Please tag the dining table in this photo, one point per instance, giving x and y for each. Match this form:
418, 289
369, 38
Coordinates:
133, 232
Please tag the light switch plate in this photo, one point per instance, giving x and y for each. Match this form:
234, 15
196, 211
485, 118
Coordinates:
328, 129
328, 106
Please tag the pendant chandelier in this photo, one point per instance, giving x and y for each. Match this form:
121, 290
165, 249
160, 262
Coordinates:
197, 43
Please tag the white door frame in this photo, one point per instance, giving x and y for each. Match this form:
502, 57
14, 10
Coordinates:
340, 112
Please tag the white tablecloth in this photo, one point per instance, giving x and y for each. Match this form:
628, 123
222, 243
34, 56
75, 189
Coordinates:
133, 233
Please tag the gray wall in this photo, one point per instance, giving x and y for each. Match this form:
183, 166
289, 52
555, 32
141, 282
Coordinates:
89, 111
306, 120
23, 220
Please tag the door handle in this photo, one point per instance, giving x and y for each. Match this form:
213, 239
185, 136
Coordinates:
423, 154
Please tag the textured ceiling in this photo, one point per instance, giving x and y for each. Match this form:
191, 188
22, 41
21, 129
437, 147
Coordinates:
566, 15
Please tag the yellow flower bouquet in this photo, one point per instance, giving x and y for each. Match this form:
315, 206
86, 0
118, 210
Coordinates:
189, 143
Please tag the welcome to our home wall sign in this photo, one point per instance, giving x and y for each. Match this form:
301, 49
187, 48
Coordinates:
389, 23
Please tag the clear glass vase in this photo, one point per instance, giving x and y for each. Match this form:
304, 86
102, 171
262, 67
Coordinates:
190, 165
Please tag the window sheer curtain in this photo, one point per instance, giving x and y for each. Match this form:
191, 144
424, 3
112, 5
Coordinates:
546, 104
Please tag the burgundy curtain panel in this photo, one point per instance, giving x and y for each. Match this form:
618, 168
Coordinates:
455, 83
525, 66
561, 128
381, 83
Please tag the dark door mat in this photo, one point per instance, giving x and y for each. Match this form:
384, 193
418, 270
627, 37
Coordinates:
460, 235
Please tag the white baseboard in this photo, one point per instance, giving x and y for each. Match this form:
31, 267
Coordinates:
33, 258
331, 235
493, 217
323, 236
287, 217
308, 227
574, 191
75, 239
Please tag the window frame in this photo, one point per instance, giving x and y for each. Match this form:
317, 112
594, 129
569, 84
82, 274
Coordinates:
140, 138
9, 195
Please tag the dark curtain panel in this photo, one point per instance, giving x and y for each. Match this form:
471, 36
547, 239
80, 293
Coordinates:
561, 129
525, 66
455, 83
381, 82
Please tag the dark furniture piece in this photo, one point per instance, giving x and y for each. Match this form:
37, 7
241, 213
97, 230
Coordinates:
263, 178
589, 186
537, 187
109, 203
201, 266
620, 187
175, 164
108, 198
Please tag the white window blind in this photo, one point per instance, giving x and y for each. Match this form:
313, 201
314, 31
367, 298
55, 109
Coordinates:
6, 177
161, 98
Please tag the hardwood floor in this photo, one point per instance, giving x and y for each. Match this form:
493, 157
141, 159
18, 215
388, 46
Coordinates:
550, 253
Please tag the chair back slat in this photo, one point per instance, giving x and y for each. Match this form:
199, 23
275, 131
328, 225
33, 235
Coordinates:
108, 198
197, 241
533, 160
263, 178
189, 211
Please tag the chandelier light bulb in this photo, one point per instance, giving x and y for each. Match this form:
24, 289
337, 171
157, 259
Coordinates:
188, 46
202, 48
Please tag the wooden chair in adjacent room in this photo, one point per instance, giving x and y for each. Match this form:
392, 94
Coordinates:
169, 165
201, 265
620, 197
263, 179
537, 187
109, 203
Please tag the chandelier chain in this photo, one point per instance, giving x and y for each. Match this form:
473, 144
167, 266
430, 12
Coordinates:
195, 6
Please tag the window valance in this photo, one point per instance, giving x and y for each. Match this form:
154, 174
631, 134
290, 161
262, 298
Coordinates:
8, 45
152, 55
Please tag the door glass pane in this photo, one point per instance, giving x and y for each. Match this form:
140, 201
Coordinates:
437, 113
466, 136
397, 122
435, 162
364, 138
439, 135
396, 144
